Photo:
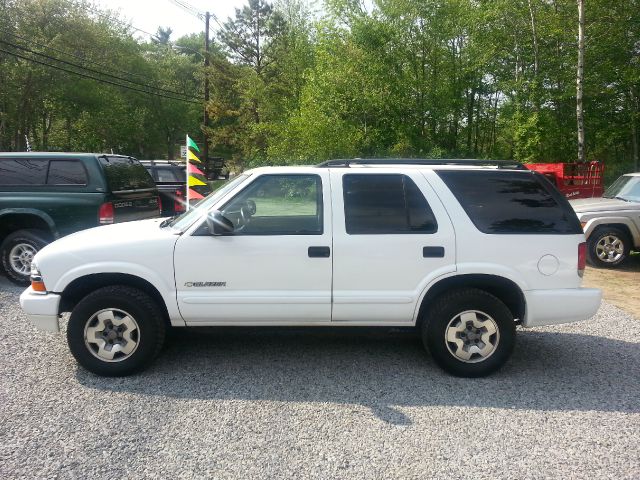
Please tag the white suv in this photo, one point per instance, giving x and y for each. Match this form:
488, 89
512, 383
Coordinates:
464, 251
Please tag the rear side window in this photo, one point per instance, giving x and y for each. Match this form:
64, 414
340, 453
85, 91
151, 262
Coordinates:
66, 172
512, 202
170, 174
125, 174
381, 203
21, 171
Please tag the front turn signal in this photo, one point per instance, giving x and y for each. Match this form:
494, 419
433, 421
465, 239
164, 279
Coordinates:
37, 285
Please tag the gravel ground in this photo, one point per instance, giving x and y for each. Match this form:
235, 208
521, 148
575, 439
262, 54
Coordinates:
219, 404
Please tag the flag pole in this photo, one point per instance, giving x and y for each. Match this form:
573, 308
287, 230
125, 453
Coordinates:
186, 161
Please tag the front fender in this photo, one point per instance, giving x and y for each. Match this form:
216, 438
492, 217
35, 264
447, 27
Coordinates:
165, 286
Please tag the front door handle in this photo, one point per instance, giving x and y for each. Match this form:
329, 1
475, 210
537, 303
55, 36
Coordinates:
319, 252
433, 252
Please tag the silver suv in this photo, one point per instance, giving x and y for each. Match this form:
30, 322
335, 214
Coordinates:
612, 223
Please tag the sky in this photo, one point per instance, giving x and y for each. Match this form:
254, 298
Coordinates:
148, 15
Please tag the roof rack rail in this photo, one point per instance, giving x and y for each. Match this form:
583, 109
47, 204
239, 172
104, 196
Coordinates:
346, 163
164, 162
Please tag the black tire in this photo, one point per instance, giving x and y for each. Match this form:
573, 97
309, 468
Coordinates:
137, 304
604, 234
445, 311
35, 239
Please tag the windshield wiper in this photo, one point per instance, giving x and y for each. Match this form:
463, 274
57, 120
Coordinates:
167, 221
621, 198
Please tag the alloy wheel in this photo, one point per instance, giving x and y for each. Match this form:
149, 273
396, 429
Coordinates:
472, 336
610, 249
20, 258
112, 335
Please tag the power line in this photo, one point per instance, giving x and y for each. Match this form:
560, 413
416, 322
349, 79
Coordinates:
79, 57
154, 36
115, 77
101, 80
189, 8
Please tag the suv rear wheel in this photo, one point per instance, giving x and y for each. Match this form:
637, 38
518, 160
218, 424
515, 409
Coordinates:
17, 251
469, 332
608, 247
116, 331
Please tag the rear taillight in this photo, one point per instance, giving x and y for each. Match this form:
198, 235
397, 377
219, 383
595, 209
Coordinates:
582, 258
105, 213
178, 202
159, 200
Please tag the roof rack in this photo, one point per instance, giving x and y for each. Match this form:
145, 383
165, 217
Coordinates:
346, 163
164, 162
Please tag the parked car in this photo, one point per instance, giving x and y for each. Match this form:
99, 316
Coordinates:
612, 223
45, 196
170, 177
463, 251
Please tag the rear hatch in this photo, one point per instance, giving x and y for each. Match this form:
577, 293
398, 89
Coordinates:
131, 190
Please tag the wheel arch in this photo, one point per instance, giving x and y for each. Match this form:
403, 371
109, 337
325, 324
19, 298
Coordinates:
504, 289
624, 224
15, 219
82, 286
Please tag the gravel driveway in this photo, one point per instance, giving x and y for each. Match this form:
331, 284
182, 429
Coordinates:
219, 404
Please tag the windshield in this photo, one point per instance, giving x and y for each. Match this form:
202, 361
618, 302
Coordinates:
187, 218
626, 188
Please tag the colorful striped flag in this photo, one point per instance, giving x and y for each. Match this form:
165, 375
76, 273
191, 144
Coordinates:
195, 176
191, 168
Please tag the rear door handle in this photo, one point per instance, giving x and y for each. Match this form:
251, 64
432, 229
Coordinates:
433, 252
319, 252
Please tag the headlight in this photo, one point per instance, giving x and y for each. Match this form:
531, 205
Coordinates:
37, 284
35, 272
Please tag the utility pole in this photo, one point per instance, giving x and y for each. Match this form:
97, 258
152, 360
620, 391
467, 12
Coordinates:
205, 150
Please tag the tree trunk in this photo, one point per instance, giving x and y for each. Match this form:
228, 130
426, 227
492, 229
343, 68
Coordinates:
635, 104
579, 82
535, 40
69, 133
470, 107
492, 141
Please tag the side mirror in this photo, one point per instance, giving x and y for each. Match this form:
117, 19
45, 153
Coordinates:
218, 224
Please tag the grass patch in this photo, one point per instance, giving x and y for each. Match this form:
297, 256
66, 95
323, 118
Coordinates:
271, 207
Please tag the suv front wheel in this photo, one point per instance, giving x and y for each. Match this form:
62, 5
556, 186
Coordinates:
608, 247
116, 331
469, 332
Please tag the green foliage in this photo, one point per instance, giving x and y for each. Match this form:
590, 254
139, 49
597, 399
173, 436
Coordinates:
58, 110
288, 85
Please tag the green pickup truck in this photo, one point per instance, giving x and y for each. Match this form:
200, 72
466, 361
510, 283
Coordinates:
44, 196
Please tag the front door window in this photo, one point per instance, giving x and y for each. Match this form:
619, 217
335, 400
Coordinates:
278, 205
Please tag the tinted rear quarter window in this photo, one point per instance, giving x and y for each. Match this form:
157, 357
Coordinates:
166, 174
23, 171
125, 174
66, 172
511, 202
